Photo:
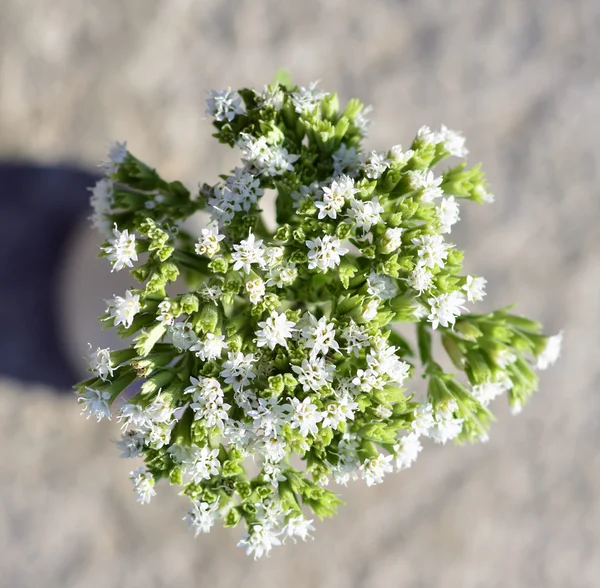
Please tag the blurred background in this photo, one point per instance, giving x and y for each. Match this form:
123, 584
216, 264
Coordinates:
520, 79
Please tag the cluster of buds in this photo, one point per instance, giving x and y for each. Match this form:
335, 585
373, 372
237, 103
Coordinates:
284, 369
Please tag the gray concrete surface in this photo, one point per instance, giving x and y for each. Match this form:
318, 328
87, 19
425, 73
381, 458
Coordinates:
522, 80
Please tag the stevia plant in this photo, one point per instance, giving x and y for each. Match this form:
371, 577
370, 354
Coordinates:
285, 366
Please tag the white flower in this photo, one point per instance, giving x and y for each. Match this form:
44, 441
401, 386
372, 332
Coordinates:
319, 335
426, 135
367, 380
407, 450
101, 202
248, 252
244, 189
271, 160
370, 310
339, 411
131, 444
423, 419
346, 160
271, 97
401, 158
420, 279
183, 335
361, 120
298, 526
204, 389
454, 142
210, 347
275, 330
445, 308
551, 352
212, 293
208, 242
375, 165
202, 516
313, 192
212, 410
101, 363
273, 256
315, 374
381, 286
159, 410
475, 288
121, 250
95, 403
305, 417
307, 99
255, 289
365, 214
259, 541
426, 183
202, 464
237, 370
391, 240
123, 310
117, 152
269, 416
335, 196
144, 484
282, 276
356, 338
224, 105
325, 253
373, 469
488, 391
165, 316
432, 250
445, 430
448, 213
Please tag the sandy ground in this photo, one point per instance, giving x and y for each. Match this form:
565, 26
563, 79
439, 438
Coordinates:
522, 80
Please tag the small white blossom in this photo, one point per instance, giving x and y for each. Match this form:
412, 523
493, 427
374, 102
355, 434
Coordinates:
259, 541
335, 197
475, 288
432, 250
315, 374
420, 279
370, 310
121, 249
202, 516
255, 289
375, 165
489, 391
426, 135
325, 253
123, 310
307, 99
131, 444
298, 526
282, 276
346, 160
209, 348
355, 337
445, 308
448, 213
305, 417
183, 335
248, 252
117, 152
238, 369
445, 430
101, 363
224, 105
381, 286
423, 419
339, 411
271, 97
400, 157
319, 336
392, 239
454, 143
374, 469
365, 214
144, 484
95, 403
275, 330
208, 242
407, 450
165, 316
426, 183
202, 464
101, 203
551, 352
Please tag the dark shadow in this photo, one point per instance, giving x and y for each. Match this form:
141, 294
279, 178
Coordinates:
39, 207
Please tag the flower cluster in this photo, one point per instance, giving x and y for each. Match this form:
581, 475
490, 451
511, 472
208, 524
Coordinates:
284, 370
